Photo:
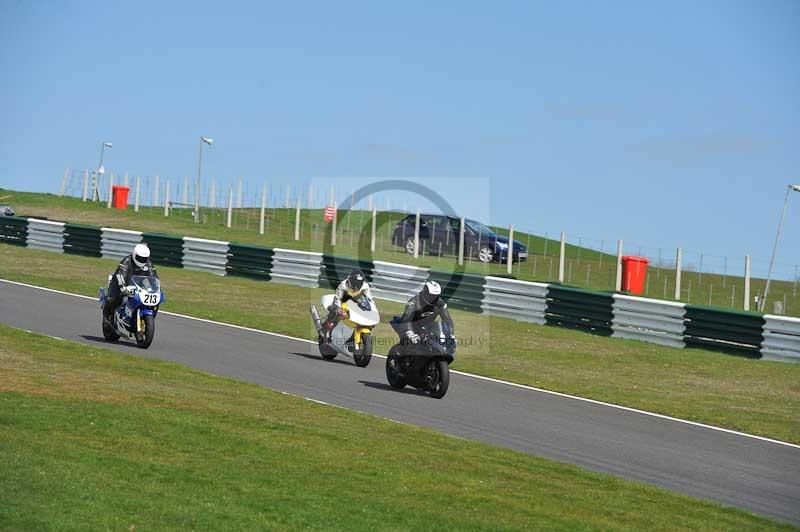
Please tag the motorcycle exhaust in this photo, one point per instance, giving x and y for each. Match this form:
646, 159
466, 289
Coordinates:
315, 318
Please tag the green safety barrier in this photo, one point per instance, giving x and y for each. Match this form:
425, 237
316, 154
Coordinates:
14, 230
462, 291
83, 240
335, 269
731, 331
580, 309
253, 262
164, 249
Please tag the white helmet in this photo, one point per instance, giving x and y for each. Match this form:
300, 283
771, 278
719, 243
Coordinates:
431, 292
141, 254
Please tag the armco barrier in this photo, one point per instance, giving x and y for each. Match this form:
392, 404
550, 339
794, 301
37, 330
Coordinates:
781, 338
580, 309
164, 249
13, 230
728, 330
299, 268
334, 269
252, 262
116, 243
648, 320
517, 300
46, 235
205, 255
397, 282
82, 240
463, 291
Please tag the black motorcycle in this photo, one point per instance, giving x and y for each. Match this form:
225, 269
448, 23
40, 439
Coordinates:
424, 365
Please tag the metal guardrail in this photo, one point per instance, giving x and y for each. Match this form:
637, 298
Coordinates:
299, 268
13, 230
252, 262
517, 300
116, 243
648, 320
580, 309
45, 235
205, 255
82, 240
781, 338
397, 282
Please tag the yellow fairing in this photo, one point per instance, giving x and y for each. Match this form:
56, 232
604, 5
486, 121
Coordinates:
358, 332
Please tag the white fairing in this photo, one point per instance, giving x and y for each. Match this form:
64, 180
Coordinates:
327, 301
367, 318
339, 337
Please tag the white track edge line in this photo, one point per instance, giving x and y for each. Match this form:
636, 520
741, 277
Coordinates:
471, 375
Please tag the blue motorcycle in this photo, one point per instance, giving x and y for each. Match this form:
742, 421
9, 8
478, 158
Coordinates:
135, 317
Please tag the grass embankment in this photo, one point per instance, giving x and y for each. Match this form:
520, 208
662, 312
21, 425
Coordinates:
92, 439
758, 397
584, 267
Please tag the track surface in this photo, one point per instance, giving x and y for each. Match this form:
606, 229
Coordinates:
731, 469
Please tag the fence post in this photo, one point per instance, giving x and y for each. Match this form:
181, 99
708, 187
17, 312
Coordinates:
297, 220
618, 281
157, 185
136, 195
185, 197
213, 199
678, 257
510, 250
288, 196
127, 183
63, 182
230, 207
562, 257
110, 190
85, 185
374, 229
166, 200
461, 243
416, 236
263, 207
335, 216
747, 282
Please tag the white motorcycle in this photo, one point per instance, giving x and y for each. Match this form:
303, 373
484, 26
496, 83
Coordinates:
352, 335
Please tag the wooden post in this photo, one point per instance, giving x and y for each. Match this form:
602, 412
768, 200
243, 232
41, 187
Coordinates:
461, 243
297, 220
136, 196
561, 257
374, 228
510, 250
618, 282
230, 207
416, 236
263, 207
747, 282
678, 257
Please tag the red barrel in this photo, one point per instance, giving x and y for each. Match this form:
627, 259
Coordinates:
119, 197
634, 272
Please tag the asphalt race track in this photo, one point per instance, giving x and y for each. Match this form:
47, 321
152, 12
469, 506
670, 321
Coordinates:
732, 469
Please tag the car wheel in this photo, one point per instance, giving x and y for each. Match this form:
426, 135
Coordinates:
485, 254
410, 245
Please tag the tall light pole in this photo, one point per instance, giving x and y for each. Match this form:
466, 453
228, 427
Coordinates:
100, 171
763, 301
203, 140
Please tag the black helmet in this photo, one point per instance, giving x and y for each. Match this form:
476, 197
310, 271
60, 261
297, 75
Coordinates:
430, 292
355, 280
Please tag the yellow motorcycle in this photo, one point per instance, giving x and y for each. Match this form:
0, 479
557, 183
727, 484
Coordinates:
352, 335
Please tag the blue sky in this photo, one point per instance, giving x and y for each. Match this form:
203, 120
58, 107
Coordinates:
663, 123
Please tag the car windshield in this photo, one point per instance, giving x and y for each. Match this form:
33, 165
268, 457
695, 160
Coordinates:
478, 227
147, 283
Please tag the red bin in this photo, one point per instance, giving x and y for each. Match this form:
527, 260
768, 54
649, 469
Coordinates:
119, 197
634, 272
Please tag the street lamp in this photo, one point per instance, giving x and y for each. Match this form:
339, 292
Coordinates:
203, 140
100, 171
789, 188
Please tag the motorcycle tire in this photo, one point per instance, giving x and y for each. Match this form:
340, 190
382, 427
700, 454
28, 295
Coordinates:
325, 350
144, 340
395, 380
442, 370
108, 331
365, 353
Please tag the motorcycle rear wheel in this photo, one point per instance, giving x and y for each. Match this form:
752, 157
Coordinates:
327, 352
145, 338
365, 353
395, 379
439, 372
108, 331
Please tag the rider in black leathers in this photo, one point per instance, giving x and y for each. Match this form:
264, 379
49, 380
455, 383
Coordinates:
137, 263
421, 311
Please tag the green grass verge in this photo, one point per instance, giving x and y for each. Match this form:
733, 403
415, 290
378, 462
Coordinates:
584, 267
754, 396
92, 439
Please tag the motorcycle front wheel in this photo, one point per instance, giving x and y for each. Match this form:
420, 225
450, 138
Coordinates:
438, 378
145, 338
364, 355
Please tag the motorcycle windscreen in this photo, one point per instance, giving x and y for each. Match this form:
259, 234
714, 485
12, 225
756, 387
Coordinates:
147, 283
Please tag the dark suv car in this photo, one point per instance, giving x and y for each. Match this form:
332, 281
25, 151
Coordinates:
438, 235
